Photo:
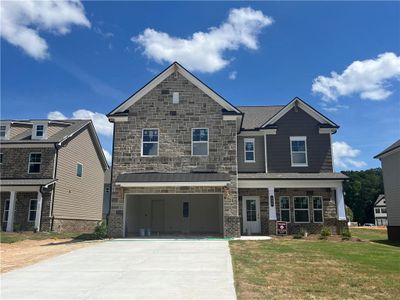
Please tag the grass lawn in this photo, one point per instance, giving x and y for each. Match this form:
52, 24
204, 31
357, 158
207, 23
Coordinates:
12, 237
285, 268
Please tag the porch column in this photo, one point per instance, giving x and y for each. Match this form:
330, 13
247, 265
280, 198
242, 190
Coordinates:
11, 209
341, 212
271, 204
38, 211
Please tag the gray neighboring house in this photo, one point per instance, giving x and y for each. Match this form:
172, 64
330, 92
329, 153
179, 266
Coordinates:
52, 175
390, 160
186, 161
380, 212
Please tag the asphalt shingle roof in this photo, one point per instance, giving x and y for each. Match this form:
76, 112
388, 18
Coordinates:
256, 116
390, 148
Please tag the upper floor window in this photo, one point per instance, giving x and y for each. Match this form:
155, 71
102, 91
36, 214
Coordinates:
39, 131
284, 204
378, 210
4, 132
35, 160
200, 141
150, 142
301, 212
249, 150
298, 151
79, 169
318, 213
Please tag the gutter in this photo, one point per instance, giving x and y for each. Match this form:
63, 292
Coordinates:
54, 188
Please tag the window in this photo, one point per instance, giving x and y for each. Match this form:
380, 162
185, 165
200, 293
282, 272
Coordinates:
301, 213
4, 131
284, 204
251, 210
35, 160
378, 210
39, 131
249, 151
383, 210
6, 210
79, 169
1, 158
318, 214
107, 189
298, 150
32, 210
185, 209
199, 141
150, 142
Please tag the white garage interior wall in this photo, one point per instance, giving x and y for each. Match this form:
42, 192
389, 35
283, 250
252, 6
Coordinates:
163, 214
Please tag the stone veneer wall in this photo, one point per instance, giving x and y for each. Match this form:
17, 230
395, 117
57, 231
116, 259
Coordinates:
175, 123
74, 225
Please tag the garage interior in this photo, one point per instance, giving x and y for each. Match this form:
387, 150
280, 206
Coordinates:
178, 214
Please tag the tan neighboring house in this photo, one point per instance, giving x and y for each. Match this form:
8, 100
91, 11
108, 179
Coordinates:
390, 160
52, 175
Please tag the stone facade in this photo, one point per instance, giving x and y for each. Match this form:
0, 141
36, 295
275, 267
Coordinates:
68, 225
175, 122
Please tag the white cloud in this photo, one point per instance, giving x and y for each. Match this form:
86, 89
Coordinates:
232, 75
21, 22
333, 107
107, 155
100, 121
203, 51
344, 156
369, 79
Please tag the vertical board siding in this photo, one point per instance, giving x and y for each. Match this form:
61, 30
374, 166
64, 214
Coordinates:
259, 164
79, 197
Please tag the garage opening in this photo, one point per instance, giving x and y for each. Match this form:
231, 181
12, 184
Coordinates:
178, 214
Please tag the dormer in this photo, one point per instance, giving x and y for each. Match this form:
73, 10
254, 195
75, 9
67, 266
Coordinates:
4, 131
39, 131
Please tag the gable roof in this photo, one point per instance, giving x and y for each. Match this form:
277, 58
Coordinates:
174, 67
392, 147
255, 116
304, 106
380, 197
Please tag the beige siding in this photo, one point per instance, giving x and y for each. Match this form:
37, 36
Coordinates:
17, 129
79, 197
391, 181
52, 129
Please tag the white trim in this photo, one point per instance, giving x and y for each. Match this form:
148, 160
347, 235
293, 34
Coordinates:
230, 117
76, 171
249, 140
321, 209
175, 67
388, 153
302, 209
116, 119
11, 211
288, 209
6, 210
30, 210
266, 153
158, 184
20, 188
29, 162
313, 113
326, 130
30, 145
201, 142
38, 218
254, 184
272, 209
303, 139
7, 131
269, 131
158, 142
340, 207
34, 131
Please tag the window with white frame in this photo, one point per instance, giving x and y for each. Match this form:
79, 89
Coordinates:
150, 140
298, 151
39, 131
284, 204
318, 213
35, 160
383, 210
249, 150
32, 210
378, 210
6, 210
4, 131
301, 212
79, 169
199, 141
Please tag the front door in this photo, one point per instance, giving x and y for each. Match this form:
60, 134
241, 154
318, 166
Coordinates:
251, 215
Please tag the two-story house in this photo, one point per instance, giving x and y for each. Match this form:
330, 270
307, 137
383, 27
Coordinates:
380, 212
52, 175
186, 161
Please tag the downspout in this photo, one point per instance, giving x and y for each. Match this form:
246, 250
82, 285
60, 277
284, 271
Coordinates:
54, 187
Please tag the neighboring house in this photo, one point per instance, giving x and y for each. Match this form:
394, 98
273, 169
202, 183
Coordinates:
390, 160
107, 193
186, 161
52, 175
380, 213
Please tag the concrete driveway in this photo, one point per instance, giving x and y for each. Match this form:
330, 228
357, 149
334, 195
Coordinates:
129, 269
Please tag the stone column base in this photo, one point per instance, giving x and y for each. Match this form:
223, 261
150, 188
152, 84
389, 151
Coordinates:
271, 227
231, 226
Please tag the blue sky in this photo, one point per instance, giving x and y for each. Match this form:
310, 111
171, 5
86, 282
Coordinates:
258, 53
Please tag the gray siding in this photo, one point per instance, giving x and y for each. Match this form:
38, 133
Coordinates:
318, 145
391, 181
259, 164
79, 197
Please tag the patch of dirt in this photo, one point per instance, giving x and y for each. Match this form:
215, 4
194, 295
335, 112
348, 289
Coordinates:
27, 252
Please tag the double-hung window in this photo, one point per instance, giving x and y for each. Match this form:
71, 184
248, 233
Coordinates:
150, 139
249, 151
284, 204
199, 141
39, 131
6, 210
35, 160
32, 210
301, 212
318, 214
298, 151
4, 132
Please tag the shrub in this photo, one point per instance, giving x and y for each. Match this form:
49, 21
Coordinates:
17, 227
302, 231
297, 236
100, 231
325, 232
346, 234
